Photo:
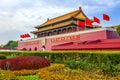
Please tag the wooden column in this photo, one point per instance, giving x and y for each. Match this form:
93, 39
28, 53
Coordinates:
67, 30
74, 28
54, 33
59, 31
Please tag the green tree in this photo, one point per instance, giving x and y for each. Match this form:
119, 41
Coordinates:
118, 29
11, 44
1, 46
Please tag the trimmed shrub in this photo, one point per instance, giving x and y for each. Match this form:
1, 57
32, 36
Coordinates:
7, 75
24, 62
2, 56
25, 72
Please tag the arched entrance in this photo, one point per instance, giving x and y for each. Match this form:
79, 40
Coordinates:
35, 49
24, 49
43, 48
30, 49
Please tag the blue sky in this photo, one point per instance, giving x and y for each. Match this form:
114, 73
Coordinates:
20, 16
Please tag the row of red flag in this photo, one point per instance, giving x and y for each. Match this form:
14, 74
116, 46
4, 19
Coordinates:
25, 36
95, 19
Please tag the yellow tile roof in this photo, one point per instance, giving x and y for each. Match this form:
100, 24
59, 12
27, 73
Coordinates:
55, 26
63, 17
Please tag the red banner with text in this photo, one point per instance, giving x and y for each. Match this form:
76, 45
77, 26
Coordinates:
65, 38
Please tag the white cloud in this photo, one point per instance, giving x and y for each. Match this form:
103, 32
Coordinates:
23, 15
37, 14
97, 6
110, 3
9, 2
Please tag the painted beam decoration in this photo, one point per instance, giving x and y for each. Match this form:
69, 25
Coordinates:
65, 38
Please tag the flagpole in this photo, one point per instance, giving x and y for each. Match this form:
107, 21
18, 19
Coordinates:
77, 26
85, 25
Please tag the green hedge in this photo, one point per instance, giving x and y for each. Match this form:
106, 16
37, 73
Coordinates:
108, 61
59, 56
2, 56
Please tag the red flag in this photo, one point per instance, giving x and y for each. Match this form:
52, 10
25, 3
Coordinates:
97, 20
88, 22
106, 17
25, 35
28, 35
81, 23
20, 36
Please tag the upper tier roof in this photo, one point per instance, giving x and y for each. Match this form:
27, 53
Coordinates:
64, 17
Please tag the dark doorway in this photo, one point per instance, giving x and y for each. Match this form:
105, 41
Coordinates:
35, 48
24, 49
30, 49
43, 48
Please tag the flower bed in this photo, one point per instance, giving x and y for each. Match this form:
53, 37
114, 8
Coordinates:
8, 75
108, 61
60, 72
56, 72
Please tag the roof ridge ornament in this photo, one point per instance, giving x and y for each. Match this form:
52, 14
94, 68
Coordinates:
80, 7
48, 19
